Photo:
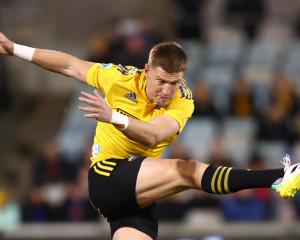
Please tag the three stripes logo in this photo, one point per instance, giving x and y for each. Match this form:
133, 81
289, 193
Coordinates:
185, 90
104, 167
219, 183
132, 97
126, 70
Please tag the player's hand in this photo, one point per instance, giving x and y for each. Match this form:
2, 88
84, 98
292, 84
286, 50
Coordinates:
6, 46
97, 107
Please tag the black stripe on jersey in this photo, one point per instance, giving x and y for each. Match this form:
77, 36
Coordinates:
185, 90
181, 91
122, 71
125, 113
189, 91
190, 95
124, 67
125, 70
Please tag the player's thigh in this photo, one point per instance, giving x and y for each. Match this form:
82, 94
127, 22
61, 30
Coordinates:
126, 233
141, 222
159, 178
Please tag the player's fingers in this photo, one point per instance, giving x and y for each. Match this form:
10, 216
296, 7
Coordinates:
90, 102
90, 115
96, 93
98, 96
88, 109
87, 95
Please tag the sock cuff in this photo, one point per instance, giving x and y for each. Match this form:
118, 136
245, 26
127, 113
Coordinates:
215, 179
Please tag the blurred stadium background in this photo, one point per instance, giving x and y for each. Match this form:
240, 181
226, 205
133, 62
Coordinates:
244, 70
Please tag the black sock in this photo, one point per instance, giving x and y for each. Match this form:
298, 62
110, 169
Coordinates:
222, 180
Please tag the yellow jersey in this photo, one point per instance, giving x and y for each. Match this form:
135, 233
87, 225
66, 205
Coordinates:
124, 90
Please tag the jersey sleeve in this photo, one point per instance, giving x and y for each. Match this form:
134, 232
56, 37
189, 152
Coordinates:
103, 75
181, 110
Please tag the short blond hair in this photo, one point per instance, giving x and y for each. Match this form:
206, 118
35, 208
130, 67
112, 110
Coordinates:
169, 56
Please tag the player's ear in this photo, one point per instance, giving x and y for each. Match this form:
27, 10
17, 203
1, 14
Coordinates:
147, 67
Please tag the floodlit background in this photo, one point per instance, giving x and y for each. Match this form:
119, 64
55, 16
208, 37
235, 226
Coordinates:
244, 70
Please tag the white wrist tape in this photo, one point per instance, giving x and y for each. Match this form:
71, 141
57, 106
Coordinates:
120, 119
23, 52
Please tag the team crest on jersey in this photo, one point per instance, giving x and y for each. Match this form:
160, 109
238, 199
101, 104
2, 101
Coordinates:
131, 96
106, 65
95, 150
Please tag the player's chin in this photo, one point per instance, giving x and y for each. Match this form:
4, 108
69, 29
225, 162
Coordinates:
163, 103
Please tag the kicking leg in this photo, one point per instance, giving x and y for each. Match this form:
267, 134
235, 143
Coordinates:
159, 178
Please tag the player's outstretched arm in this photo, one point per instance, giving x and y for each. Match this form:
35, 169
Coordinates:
54, 61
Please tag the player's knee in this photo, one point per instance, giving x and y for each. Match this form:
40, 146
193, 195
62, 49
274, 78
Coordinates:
187, 169
191, 172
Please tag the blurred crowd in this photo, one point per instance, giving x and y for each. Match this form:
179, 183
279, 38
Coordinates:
244, 71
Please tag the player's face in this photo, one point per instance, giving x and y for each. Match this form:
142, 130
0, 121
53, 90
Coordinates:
161, 86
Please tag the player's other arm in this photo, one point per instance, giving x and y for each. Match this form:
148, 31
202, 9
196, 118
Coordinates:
152, 132
148, 133
54, 61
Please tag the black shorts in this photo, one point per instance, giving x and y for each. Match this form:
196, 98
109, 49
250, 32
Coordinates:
112, 184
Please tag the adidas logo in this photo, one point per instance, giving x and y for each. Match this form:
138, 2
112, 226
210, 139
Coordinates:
131, 96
